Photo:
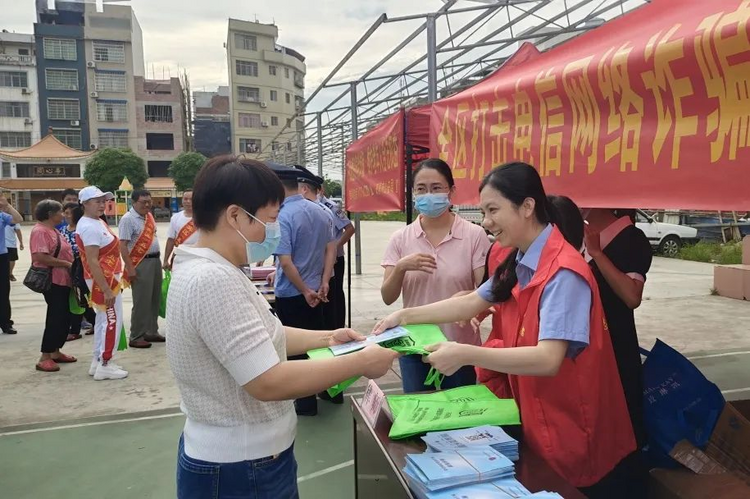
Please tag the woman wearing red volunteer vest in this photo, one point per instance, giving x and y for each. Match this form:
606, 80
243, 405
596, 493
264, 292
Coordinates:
558, 355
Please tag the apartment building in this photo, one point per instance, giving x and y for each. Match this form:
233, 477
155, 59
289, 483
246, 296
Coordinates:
266, 82
212, 131
19, 99
86, 64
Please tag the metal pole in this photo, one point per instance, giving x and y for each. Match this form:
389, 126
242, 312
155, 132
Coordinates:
431, 59
357, 233
409, 185
300, 148
320, 146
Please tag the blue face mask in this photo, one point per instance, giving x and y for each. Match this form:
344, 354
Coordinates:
260, 252
432, 205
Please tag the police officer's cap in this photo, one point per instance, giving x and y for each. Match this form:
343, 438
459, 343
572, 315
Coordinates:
282, 171
307, 177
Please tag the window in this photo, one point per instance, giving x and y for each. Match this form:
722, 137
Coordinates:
247, 68
160, 141
288, 146
15, 139
14, 109
63, 109
272, 70
23, 51
274, 121
286, 72
158, 168
111, 111
5, 169
245, 42
274, 95
14, 79
250, 145
113, 138
159, 114
109, 52
275, 146
248, 94
249, 120
61, 50
61, 79
71, 138
107, 81
288, 98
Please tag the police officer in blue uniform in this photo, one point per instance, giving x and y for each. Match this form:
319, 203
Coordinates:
344, 232
303, 269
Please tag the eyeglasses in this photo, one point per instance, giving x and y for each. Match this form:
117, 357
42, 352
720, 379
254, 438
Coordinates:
433, 189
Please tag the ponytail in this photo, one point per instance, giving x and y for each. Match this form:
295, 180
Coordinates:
505, 279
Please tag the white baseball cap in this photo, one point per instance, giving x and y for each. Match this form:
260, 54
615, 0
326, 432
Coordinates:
93, 192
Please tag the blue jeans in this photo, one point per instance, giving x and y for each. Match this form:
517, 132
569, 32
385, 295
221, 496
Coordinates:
265, 478
414, 372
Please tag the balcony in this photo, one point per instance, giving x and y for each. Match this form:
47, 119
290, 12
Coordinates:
299, 80
15, 59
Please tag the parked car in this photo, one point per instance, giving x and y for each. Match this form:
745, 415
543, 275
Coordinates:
666, 238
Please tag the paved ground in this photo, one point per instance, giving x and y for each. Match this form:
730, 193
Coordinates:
120, 437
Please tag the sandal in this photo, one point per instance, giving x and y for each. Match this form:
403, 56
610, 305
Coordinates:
89, 331
73, 337
47, 366
65, 359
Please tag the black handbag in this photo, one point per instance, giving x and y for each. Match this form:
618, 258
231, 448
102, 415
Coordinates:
40, 280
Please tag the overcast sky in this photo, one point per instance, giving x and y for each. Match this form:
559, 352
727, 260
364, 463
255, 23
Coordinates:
191, 35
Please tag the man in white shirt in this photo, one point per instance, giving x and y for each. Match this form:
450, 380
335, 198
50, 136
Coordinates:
181, 229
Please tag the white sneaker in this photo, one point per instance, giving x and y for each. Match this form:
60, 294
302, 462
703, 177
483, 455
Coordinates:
109, 372
92, 368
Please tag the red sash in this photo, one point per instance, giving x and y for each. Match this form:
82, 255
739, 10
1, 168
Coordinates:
143, 244
187, 230
111, 265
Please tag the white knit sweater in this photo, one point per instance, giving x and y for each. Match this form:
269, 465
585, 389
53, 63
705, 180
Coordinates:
222, 335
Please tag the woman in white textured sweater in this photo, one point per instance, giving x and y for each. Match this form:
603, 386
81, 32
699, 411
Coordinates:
228, 350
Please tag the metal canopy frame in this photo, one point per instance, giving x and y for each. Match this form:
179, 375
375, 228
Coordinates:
477, 38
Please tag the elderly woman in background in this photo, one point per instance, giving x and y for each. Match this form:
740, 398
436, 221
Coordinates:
51, 251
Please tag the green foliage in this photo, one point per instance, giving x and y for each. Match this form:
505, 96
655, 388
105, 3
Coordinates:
391, 216
332, 188
184, 169
109, 166
723, 254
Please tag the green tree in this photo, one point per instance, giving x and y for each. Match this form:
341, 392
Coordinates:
184, 168
109, 166
332, 187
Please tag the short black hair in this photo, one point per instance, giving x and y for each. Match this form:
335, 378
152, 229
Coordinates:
439, 166
139, 193
69, 192
290, 183
76, 211
227, 180
46, 208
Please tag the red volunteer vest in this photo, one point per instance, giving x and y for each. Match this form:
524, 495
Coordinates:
495, 381
577, 420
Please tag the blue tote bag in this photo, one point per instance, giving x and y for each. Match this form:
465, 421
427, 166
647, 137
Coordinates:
679, 402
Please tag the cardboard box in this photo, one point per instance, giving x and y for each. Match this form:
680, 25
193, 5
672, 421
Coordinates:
728, 447
684, 484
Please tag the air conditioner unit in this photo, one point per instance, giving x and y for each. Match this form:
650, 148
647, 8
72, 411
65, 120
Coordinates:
94, 95
91, 64
28, 121
93, 147
264, 124
263, 104
75, 123
25, 91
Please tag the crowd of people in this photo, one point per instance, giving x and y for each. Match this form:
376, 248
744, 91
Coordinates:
560, 284
87, 266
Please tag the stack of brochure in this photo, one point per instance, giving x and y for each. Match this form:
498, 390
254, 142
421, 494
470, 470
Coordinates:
471, 438
433, 471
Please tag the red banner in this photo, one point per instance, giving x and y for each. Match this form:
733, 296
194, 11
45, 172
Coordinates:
375, 168
651, 110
